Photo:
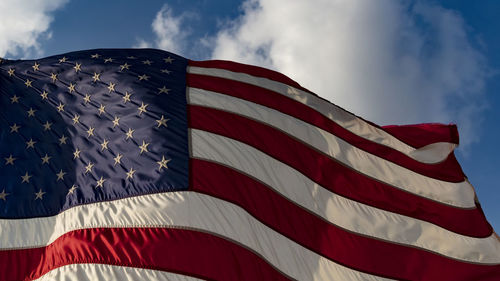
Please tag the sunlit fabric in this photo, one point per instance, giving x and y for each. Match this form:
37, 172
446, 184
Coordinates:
138, 164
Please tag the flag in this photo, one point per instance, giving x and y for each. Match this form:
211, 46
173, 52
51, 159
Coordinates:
139, 164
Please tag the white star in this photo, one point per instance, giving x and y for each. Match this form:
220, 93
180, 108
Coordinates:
96, 77
28, 83
144, 147
124, 66
44, 95
95, 56
118, 158
165, 71
71, 87
14, 128
76, 154
3, 195
14, 99
64, 59
116, 121
100, 182
168, 60
162, 121
10, 160
11, 71
78, 67
108, 60
36, 66
148, 62
163, 163
163, 90
45, 159
62, 140
76, 119
102, 109
53, 76
88, 168
31, 144
60, 107
129, 134
143, 77
31, 112
126, 98
104, 144
86, 99
72, 189
111, 87
26, 178
90, 131
142, 108
60, 175
39, 195
130, 173
46, 126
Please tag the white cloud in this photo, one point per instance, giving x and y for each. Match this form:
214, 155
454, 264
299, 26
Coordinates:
23, 23
391, 62
170, 32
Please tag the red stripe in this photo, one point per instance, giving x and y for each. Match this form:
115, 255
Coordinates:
334, 176
175, 250
249, 69
424, 134
426, 137
354, 251
448, 170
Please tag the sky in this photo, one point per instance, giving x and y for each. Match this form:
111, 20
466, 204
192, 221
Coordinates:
391, 62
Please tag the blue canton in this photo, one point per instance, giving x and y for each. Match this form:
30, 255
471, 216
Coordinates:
91, 126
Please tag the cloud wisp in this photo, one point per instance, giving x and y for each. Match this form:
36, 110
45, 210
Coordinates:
23, 23
171, 31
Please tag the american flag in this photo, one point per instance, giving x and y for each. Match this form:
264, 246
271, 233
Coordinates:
138, 164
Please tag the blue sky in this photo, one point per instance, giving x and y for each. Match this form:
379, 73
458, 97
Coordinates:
392, 62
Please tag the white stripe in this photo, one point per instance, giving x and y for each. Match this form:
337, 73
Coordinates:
93, 272
182, 209
456, 194
338, 115
338, 210
433, 153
